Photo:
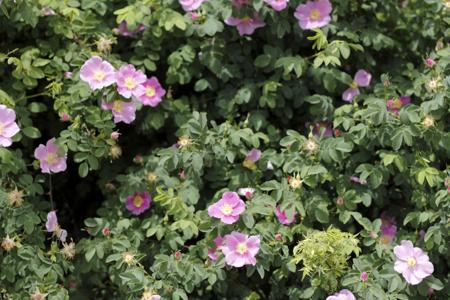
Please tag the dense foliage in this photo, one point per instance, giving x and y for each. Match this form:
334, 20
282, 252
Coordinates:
224, 149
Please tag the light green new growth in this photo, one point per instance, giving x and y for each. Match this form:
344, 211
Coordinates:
324, 254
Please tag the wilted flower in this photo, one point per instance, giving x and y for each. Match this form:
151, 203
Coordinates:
37, 295
322, 129
246, 25
428, 122
247, 192
433, 84
277, 5
49, 158
128, 257
340, 201
363, 276
278, 237
52, 226
97, 73
152, 92
129, 81
311, 145
115, 151
138, 203
395, 104
342, 295
295, 182
373, 235
388, 228
228, 208
412, 263
104, 43
184, 141
15, 197
313, 14
252, 157
362, 79
123, 30
8, 125
240, 249
8, 243
68, 250
190, 5
281, 216
152, 177
122, 111
212, 252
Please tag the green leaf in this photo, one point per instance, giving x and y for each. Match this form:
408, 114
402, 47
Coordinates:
31, 132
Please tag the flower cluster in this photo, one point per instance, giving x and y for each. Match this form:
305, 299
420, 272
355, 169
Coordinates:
131, 84
313, 14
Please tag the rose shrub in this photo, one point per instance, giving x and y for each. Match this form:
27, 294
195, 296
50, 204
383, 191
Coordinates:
245, 149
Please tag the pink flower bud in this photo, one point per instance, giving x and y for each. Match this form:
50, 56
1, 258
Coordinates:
373, 235
195, 16
68, 75
430, 62
115, 135
64, 117
177, 254
364, 276
106, 231
182, 175
340, 201
278, 237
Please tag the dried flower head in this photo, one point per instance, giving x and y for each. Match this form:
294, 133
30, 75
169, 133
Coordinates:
295, 182
37, 295
15, 197
311, 145
68, 250
428, 122
433, 84
115, 151
152, 177
8, 243
184, 141
104, 43
128, 257
149, 295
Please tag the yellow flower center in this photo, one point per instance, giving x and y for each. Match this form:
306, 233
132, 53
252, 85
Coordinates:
246, 19
150, 91
411, 261
226, 209
241, 248
51, 158
397, 104
354, 85
315, 14
130, 83
137, 201
117, 106
99, 75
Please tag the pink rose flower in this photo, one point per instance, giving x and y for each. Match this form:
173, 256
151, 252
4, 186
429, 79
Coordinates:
412, 263
190, 5
97, 73
8, 125
129, 81
240, 249
246, 25
313, 14
152, 92
121, 110
228, 208
138, 203
254, 155
362, 79
342, 295
395, 104
277, 5
49, 159
281, 215
52, 226
212, 252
